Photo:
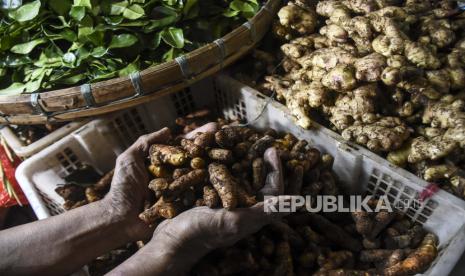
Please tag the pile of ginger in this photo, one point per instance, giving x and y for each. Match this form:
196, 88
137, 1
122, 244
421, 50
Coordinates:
386, 74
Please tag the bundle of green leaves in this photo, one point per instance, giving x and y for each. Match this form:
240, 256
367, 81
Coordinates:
50, 44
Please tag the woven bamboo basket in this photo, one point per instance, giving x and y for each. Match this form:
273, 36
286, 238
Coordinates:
124, 92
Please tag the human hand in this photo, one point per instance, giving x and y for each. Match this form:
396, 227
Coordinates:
203, 229
129, 189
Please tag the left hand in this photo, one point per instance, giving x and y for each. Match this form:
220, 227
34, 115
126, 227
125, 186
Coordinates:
179, 243
129, 186
202, 229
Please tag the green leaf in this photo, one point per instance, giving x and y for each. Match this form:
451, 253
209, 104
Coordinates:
14, 61
170, 2
64, 23
160, 23
33, 86
156, 41
77, 12
162, 11
82, 54
173, 37
113, 20
172, 54
86, 27
26, 48
118, 8
242, 6
83, 3
26, 12
68, 35
99, 52
73, 79
191, 9
122, 41
131, 68
15, 88
97, 37
231, 13
138, 23
133, 12
61, 7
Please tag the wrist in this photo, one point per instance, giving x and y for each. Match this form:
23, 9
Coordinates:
175, 254
128, 223
170, 259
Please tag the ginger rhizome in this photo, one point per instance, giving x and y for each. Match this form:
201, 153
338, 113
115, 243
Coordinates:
388, 75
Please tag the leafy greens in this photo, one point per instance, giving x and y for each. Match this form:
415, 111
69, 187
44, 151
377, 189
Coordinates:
50, 44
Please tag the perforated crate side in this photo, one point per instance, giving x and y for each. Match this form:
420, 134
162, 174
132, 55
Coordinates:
39, 175
442, 214
23, 150
128, 125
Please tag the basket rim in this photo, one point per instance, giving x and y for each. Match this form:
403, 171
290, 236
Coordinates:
119, 93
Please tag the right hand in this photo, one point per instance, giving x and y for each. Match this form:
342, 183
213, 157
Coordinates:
203, 229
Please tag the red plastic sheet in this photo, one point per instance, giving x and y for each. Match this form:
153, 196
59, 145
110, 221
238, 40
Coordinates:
8, 185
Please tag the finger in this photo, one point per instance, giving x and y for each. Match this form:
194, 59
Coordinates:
144, 142
263, 213
209, 127
274, 184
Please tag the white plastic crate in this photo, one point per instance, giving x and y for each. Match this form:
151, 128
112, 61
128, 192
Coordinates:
24, 151
99, 142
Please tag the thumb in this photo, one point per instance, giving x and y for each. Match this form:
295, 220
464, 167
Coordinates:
274, 184
266, 212
209, 127
144, 142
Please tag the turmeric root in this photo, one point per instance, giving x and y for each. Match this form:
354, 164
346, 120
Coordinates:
334, 233
177, 173
224, 184
283, 256
191, 148
371, 243
221, 155
159, 185
71, 192
92, 195
161, 209
197, 163
241, 149
190, 179
336, 260
267, 246
381, 220
375, 255
164, 154
205, 139
296, 181
159, 171
418, 261
259, 173
259, 147
103, 185
210, 197
227, 137
363, 222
